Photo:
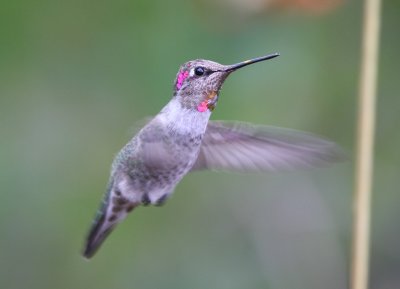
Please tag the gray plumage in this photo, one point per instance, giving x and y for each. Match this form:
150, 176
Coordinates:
181, 139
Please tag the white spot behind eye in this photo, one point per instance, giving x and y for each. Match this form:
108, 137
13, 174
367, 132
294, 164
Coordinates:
191, 73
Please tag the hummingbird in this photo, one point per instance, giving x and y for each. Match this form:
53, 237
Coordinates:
181, 139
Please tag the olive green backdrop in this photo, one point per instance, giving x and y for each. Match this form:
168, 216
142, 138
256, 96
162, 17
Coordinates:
75, 77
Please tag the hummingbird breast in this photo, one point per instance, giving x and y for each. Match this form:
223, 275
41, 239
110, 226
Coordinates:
151, 165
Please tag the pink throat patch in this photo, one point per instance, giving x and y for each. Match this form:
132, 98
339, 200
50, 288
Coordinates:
181, 78
202, 107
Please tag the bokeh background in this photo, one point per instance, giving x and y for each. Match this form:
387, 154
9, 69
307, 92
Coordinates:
75, 77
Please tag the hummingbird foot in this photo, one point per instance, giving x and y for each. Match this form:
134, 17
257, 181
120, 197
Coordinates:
145, 201
161, 201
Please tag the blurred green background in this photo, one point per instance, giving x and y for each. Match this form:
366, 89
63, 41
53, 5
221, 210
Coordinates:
75, 76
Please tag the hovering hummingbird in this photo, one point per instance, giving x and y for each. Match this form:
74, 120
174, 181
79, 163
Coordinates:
181, 139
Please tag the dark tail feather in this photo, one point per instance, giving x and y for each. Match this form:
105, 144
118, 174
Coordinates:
112, 211
100, 228
96, 237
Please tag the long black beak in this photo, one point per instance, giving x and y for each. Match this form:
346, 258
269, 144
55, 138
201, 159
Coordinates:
233, 67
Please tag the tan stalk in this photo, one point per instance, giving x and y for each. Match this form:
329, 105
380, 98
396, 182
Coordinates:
365, 146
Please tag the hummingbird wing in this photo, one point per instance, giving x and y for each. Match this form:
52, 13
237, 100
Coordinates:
237, 146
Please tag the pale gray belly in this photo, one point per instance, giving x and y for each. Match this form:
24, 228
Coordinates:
160, 167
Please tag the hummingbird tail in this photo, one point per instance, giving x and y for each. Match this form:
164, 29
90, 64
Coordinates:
105, 221
98, 233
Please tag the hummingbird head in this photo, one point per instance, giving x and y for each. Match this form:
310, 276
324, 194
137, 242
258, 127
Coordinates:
199, 81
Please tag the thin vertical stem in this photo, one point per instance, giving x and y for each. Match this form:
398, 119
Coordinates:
365, 145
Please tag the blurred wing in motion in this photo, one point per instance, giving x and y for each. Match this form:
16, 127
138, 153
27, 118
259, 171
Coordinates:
236, 146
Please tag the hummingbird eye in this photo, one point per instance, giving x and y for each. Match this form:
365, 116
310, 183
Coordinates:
199, 71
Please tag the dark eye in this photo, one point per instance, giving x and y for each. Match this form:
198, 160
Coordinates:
199, 71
